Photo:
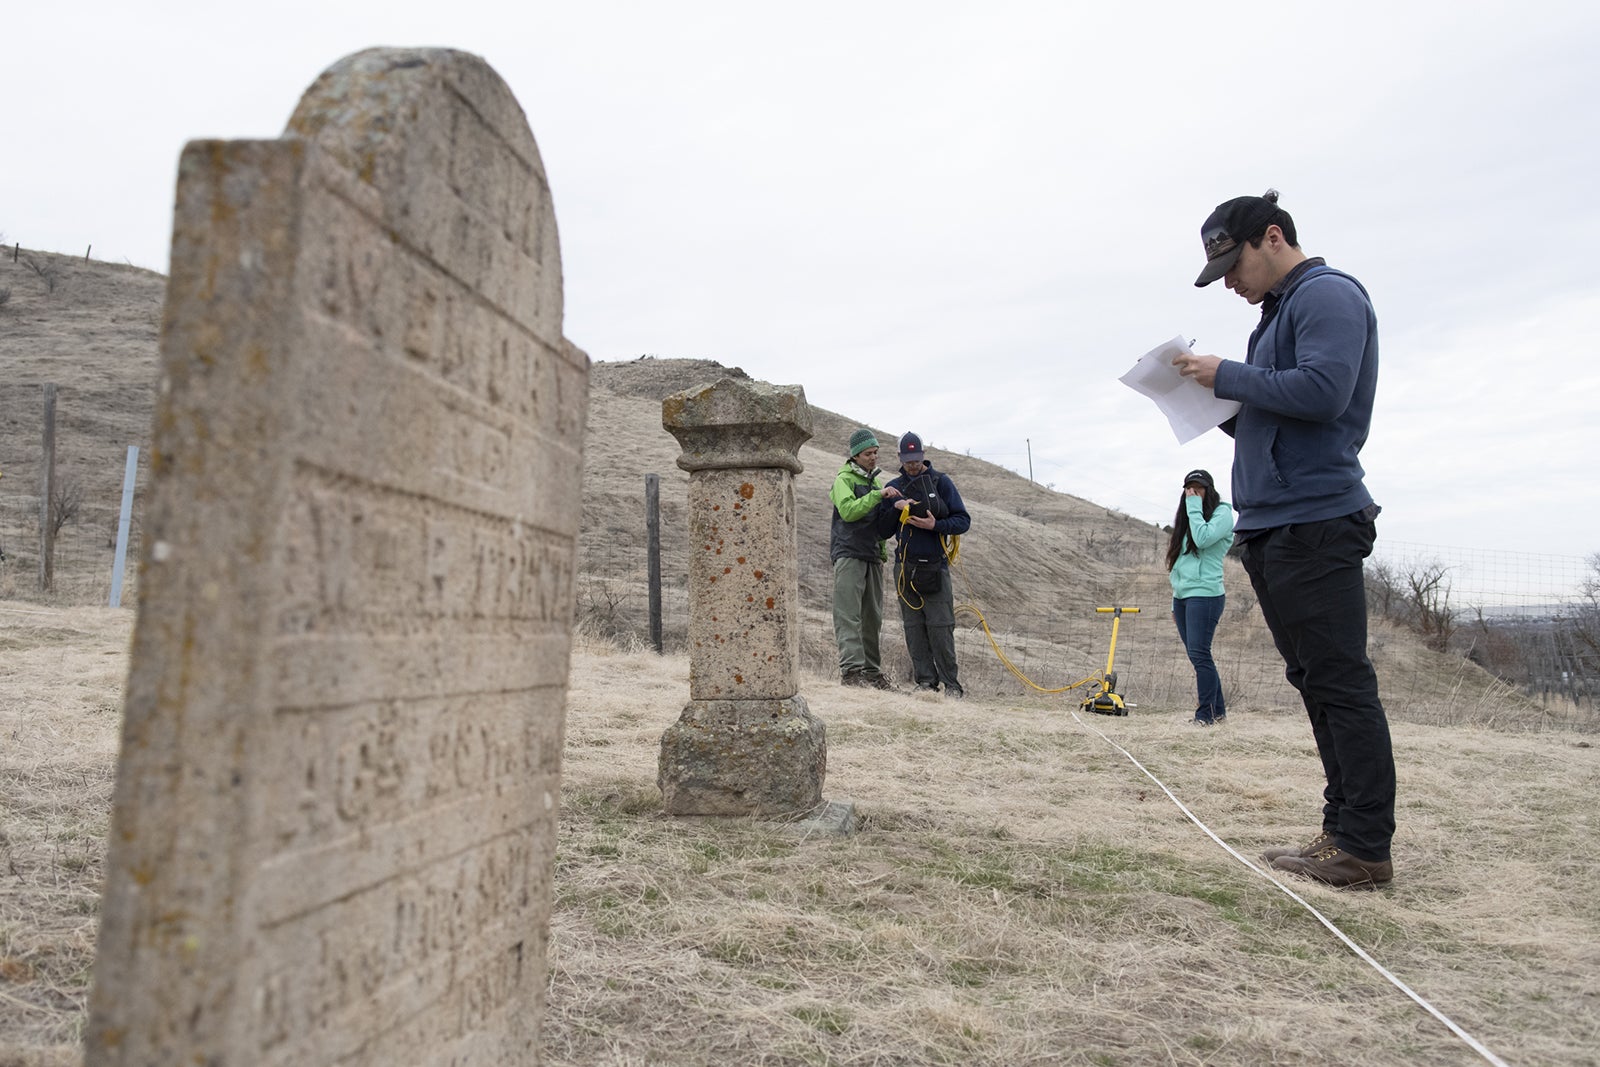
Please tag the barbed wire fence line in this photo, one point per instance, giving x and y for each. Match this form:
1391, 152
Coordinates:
1524, 618
1500, 599
84, 552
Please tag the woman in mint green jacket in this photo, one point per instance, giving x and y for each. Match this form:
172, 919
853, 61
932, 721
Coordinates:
1201, 534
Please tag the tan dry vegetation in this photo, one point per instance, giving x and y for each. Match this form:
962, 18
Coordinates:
94, 335
1019, 893
1036, 564
61, 678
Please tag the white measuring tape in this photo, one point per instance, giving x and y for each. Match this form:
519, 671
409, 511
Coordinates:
1477, 1046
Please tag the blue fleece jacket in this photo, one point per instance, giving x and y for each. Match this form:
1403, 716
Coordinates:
1307, 390
935, 489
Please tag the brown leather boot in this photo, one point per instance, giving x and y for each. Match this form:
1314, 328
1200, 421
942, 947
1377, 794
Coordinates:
1323, 840
1336, 867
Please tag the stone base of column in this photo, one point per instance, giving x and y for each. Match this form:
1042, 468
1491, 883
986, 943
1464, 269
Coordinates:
743, 757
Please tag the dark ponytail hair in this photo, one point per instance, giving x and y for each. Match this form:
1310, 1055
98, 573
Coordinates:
1180, 524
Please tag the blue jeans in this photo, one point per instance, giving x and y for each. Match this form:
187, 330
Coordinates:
1197, 617
1309, 582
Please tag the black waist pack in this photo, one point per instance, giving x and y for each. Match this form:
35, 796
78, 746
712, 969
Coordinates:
926, 576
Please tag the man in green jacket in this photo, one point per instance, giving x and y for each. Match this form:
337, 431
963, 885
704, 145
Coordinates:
858, 554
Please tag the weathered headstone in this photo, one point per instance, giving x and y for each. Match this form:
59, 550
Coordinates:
746, 744
335, 807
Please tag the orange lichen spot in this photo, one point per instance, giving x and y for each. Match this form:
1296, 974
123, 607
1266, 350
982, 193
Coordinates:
739, 678
727, 570
714, 577
738, 507
749, 600
760, 575
741, 559
747, 490
716, 507
771, 603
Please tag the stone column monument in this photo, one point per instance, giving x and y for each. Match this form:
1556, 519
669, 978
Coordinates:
745, 744
335, 810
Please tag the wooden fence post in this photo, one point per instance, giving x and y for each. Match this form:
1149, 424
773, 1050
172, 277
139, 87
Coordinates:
47, 488
652, 526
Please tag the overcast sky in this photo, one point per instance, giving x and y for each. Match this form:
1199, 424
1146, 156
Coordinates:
963, 219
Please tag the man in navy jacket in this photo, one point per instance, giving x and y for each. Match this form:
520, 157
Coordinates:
928, 510
1306, 520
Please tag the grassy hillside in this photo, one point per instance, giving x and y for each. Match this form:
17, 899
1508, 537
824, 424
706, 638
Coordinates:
1019, 893
1034, 566
92, 330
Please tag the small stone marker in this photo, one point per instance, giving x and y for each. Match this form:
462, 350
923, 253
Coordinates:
746, 744
335, 809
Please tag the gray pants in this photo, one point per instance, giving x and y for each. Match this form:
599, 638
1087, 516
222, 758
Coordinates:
931, 636
857, 614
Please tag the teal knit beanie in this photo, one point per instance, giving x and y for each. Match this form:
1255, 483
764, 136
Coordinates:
862, 440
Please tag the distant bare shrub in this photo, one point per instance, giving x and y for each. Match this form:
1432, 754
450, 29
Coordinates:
1418, 599
1383, 589
1429, 597
5, 294
66, 500
48, 274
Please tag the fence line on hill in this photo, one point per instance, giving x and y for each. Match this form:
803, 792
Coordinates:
1522, 616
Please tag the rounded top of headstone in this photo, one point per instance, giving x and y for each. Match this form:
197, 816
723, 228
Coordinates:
358, 99
431, 144
734, 422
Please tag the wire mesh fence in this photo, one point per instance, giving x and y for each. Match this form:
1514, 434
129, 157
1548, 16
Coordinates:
1457, 681
1495, 625
84, 554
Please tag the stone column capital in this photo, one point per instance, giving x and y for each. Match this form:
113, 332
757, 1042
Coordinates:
738, 423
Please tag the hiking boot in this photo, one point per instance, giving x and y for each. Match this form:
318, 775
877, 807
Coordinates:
1324, 840
955, 692
856, 678
1336, 867
878, 681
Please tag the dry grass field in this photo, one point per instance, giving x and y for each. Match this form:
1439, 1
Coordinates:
1019, 892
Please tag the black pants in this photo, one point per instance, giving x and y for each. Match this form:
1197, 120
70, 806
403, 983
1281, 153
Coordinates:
1309, 582
930, 628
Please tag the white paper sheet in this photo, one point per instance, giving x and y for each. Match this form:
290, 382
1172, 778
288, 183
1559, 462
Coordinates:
1190, 407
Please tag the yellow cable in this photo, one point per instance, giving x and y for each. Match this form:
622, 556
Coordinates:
952, 551
999, 653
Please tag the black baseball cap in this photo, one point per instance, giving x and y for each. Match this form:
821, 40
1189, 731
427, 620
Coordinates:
1228, 228
911, 449
1202, 477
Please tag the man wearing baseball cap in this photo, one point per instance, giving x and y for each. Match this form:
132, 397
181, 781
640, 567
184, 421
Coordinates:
928, 512
1305, 518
